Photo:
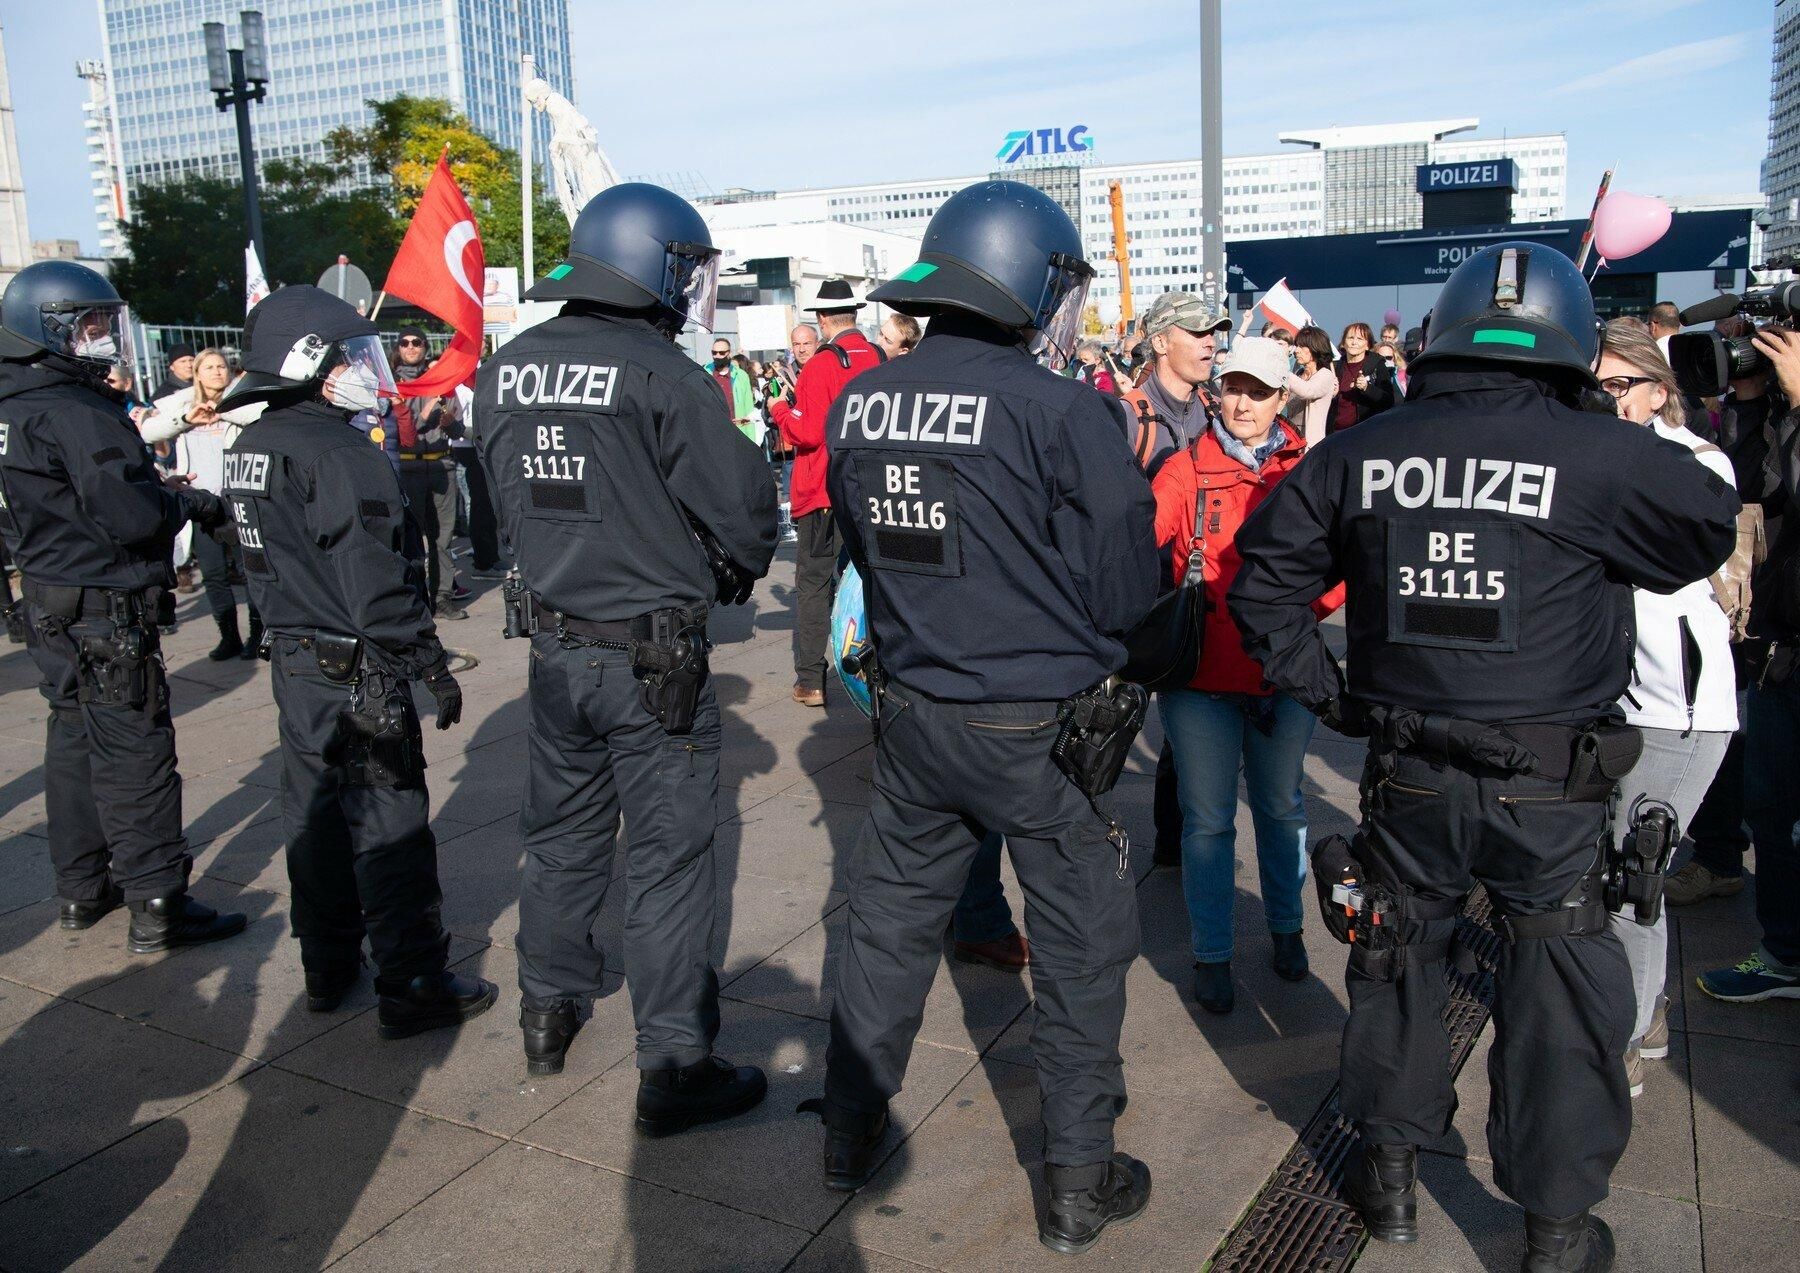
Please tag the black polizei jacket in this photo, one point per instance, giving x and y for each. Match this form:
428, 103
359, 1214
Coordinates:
81, 501
604, 444
1490, 536
320, 525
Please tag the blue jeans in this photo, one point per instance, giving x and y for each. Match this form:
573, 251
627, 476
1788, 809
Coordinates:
1216, 736
981, 912
1772, 808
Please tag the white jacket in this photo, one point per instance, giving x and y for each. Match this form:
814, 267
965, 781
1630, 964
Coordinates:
1678, 631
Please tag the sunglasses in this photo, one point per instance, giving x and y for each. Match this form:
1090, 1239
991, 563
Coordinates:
406, 341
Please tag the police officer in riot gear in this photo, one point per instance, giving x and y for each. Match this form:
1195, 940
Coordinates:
968, 480
632, 503
320, 524
1490, 533
92, 527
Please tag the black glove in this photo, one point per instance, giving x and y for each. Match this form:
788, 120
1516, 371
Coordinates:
206, 510
448, 694
1348, 716
733, 582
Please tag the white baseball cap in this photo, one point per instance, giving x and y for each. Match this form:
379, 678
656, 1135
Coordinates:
1257, 356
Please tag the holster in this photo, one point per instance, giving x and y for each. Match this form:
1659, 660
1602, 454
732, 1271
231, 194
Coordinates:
670, 665
381, 745
1370, 915
115, 669
1096, 731
520, 607
1635, 867
1601, 756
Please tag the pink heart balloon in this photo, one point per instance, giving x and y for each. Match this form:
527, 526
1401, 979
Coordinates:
1626, 224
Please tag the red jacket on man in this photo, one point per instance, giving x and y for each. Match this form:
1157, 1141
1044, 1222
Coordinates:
802, 425
1232, 493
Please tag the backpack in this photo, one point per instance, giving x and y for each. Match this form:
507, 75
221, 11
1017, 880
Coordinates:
1731, 581
1143, 439
843, 355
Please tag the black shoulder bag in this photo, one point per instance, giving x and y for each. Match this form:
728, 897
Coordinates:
1163, 651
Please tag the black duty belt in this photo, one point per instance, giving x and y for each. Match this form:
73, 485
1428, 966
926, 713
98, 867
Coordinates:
73, 601
613, 633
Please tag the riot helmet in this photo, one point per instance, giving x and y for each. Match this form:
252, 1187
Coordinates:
68, 311
638, 246
301, 341
1007, 252
1517, 303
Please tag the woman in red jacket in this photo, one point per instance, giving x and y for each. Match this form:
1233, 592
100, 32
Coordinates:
1227, 720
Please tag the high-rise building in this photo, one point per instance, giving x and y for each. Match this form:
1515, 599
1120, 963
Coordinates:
1781, 170
1348, 180
327, 60
104, 174
15, 235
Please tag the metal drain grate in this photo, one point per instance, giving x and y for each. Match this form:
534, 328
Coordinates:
1300, 1221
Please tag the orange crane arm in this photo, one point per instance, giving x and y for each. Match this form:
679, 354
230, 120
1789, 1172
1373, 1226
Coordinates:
1115, 195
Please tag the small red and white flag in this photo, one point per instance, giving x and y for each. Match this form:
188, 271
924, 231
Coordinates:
1283, 309
256, 286
439, 268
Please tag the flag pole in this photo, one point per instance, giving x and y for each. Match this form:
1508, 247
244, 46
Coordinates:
1587, 235
527, 69
376, 311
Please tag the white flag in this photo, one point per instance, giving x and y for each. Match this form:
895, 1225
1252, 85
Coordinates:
255, 285
1284, 309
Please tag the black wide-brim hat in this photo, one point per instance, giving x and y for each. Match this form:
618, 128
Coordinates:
836, 296
935, 282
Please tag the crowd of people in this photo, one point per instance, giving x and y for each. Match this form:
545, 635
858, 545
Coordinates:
1058, 500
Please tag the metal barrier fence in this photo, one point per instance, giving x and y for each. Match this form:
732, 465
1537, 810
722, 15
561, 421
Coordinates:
151, 343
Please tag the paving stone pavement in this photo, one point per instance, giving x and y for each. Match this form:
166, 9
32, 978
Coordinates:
185, 1111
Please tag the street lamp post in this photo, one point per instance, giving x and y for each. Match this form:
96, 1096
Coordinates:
238, 77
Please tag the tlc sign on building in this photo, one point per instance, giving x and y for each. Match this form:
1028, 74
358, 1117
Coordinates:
1027, 143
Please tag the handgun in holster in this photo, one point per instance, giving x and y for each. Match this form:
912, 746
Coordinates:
1097, 729
378, 742
1635, 868
520, 607
670, 665
863, 662
115, 668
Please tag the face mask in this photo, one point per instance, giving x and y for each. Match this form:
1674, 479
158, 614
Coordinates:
353, 390
97, 348
719, 364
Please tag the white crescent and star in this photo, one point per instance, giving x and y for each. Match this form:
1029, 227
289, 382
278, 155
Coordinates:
460, 236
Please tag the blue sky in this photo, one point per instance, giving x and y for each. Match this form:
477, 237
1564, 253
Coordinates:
1675, 92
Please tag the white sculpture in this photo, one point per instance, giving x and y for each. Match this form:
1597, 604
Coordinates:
579, 168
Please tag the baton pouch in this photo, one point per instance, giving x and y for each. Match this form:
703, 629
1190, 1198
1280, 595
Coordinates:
670, 666
1635, 868
339, 657
1334, 867
520, 608
1095, 735
381, 746
1602, 756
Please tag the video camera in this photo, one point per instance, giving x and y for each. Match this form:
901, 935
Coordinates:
1705, 363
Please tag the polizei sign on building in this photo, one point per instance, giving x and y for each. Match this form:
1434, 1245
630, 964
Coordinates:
1486, 174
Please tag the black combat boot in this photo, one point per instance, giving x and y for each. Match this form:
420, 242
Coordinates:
163, 923
253, 642
1380, 1180
548, 1033
430, 1002
850, 1144
230, 643
1084, 1200
328, 984
670, 1101
1579, 1244
78, 915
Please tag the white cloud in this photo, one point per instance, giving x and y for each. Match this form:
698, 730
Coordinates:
1681, 59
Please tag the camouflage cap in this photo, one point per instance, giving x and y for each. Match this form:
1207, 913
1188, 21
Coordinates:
1185, 310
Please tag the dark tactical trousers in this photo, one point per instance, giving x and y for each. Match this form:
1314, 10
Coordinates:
111, 792
815, 575
594, 752
361, 860
430, 487
1560, 1108
946, 773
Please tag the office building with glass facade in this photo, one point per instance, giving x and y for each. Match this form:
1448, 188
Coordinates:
327, 59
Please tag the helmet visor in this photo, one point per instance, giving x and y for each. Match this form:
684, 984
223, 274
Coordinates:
1065, 296
368, 359
695, 286
95, 334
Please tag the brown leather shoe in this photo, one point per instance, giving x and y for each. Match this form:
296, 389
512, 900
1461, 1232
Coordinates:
1009, 954
809, 698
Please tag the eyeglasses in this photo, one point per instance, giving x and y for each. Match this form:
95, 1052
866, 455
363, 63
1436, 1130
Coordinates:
406, 341
1619, 386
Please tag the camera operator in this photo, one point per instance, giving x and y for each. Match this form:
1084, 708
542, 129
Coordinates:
1772, 707
1751, 419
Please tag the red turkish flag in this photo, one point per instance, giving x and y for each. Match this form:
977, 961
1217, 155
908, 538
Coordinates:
440, 268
